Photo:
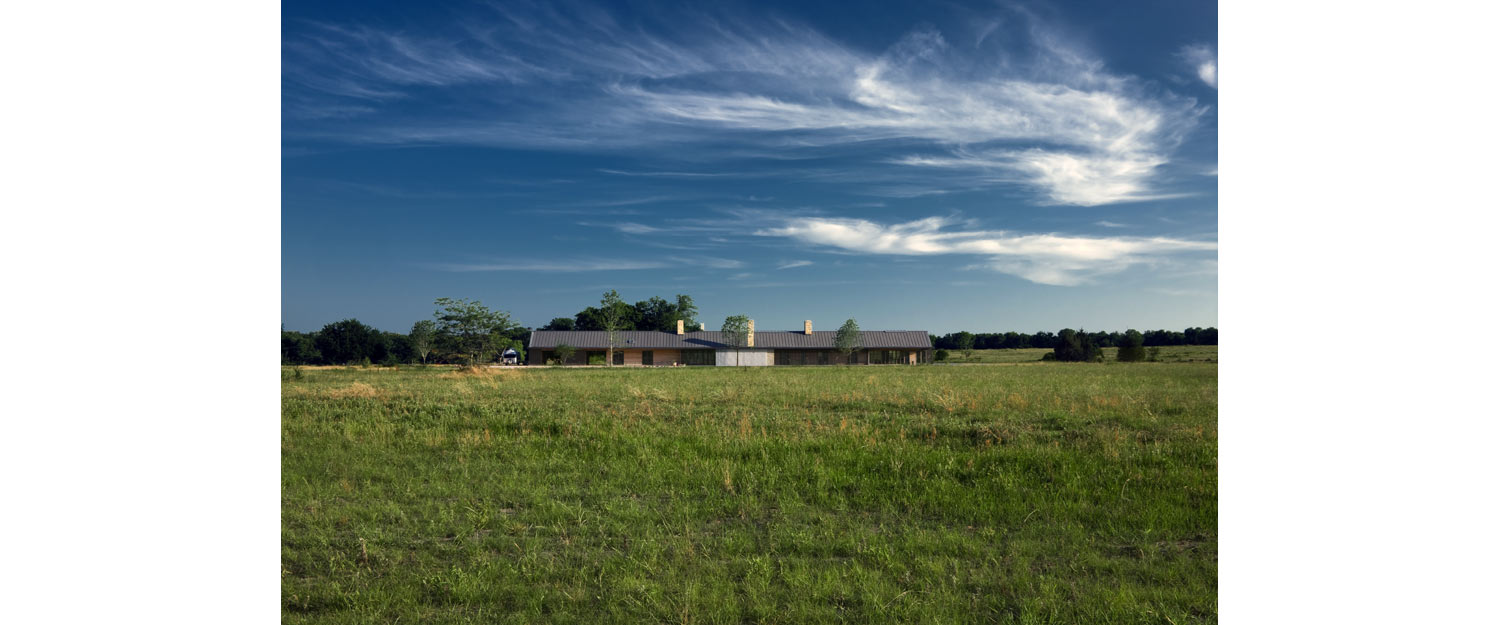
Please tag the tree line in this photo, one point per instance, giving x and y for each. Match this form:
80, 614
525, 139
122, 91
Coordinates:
468, 332
1018, 340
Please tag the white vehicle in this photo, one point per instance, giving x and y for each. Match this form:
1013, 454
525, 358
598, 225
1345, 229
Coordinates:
510, 357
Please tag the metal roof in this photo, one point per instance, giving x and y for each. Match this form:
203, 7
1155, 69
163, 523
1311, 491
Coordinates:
713, 339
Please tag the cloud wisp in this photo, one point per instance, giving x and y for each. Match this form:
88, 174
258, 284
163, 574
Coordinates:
1042, 258
1037, 113
793, 264
568, 266
1203, 61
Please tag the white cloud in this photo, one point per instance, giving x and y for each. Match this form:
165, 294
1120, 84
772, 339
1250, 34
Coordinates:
708, 261
635, 228
557, 266
1044, 258
1109, 224
1203, 62
1046, 115
794, 263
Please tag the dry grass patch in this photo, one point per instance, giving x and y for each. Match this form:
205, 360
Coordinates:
357, 390
485, 373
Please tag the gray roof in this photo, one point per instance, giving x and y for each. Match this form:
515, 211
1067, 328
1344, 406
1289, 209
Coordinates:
713, 339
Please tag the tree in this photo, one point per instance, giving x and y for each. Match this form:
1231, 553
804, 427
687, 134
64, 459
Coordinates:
1132, 347
736, 333
592, 318
563, 353
350, 341
299, 348
687, 312
848, 339
611, 318
397, 349
1075, 346
964, 341
560, 323
940, 355
422, 334
470, 324
656, 315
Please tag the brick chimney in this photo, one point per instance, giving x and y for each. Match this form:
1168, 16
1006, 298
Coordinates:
807, 327
679, 326
750, 336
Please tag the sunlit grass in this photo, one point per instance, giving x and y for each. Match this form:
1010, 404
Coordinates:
1049, 493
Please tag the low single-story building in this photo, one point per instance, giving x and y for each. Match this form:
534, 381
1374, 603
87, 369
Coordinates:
704, 347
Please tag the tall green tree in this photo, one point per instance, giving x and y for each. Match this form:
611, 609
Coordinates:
612, 318
299, 348
470, 324
687, 312
349, 341
965, 343
656, 315
560, 323
848, 339
422, 334
1132, 347
736, 334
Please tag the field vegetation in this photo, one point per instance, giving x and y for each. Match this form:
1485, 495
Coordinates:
1048, 493
1172, 353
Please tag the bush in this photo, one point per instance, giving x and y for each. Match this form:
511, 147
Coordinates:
1076, 346
1049, 356
1153, 354
940, 355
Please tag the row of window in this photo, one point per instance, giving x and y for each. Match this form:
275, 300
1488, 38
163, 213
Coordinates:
814, 357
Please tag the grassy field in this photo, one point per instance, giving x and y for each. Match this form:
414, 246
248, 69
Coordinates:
1047, 493
1171, 353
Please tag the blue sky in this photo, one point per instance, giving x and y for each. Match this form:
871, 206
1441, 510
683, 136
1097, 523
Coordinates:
937, 166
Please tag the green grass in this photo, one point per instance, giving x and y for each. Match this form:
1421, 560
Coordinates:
1053, 493
1171, 353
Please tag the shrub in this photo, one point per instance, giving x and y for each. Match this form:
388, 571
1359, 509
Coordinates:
1076, 346
1153, 354
1049, 356
940, 355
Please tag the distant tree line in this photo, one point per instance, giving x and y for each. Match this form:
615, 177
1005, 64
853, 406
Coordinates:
467, 332
1017, 340
652, 314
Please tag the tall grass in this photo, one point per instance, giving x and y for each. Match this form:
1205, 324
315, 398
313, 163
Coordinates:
1049, 493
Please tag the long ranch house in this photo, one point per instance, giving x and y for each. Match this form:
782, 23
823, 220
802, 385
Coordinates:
708, 348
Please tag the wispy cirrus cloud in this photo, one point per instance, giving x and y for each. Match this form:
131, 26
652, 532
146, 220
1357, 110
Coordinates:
708, 261
1204, 62
1013, 108
567, 266
792, 264
1043, 258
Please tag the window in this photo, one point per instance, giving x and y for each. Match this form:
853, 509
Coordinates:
547, 356
647, 358
619, 356
698, 357
596, 358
